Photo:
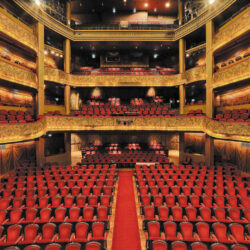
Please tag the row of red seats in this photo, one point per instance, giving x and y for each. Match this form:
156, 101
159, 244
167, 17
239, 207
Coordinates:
197, 112
53, 113
195, 190
46, 201
55, 175
238, 115
12, 186
55, 214
193, 214
62, 169
61, 190
30, 234
180, 245
55, 246
222, 233
195, 201
186, 180
15, 119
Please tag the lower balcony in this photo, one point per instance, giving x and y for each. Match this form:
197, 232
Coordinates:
220, 130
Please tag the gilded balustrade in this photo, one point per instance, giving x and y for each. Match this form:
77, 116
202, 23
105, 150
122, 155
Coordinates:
235, 73
192, 75
16, 74
16, 30
221, 130
238, 26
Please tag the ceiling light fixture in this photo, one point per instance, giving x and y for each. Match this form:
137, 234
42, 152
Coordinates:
93, 55
52, 52
167, 4
155, 55
211, 1
45, 52
37, 2
146, 5
114, 10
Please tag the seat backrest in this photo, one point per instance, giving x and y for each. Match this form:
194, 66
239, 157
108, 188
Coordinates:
73, 246
220, 231
65, 230
179, 245
82, 229
48, 231
32, 247
170, 229
203, 230
191, 213
102, 213
53, 246
237, 231
15, 216
30, 231
93, 245
218, 246
13, 233
159, 245
98, 229
239, 247
198, 246
60, 213
186, 230
88, 213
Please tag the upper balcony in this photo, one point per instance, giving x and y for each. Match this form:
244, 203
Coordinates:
14, 29
120, 79
128, 32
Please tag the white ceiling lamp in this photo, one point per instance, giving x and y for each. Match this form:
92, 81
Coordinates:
167, 4
211, 1
146, 5
37, 2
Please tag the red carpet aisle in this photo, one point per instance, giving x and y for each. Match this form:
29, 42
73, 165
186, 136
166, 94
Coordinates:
126, 232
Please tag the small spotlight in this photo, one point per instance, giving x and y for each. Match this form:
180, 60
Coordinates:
167, 5
57, 54
114, 10
45, 52
155, 9
155, 55
37, 2
134, 10
93, 55
211, 1
52, 52
61, 56
146, 5
187, 55
49, 135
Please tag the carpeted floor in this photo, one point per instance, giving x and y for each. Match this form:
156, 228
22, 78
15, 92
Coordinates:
126, 232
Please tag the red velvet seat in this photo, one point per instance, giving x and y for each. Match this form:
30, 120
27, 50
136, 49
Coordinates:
12, 237
204, 232
64, 232
159, 245
199, 246
170, 230
48, 233
81, 232
221, 234
93, 245
179, 245
238, 233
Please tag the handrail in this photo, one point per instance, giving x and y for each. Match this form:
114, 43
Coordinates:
221, 130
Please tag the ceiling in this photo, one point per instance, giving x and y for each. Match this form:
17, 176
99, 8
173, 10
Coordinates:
117, 46
95, 6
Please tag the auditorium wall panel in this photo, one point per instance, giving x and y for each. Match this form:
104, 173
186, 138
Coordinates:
14, 155
237, 153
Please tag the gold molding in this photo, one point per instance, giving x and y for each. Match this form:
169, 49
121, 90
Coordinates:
237, 72
220, 130
16, 30
233, 29
192, 75
16, 74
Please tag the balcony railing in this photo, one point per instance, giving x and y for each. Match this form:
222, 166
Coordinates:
221, 130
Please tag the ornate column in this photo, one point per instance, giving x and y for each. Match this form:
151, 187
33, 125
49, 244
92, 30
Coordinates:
209, 150
181, 146
68, 12
180, 11
182, 68
67, 140
67, 99
40, 68
209, 69
40, 155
